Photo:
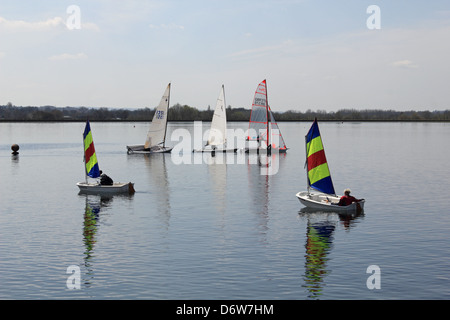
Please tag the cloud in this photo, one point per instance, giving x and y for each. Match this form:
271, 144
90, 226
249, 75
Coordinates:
68, 56
171, 26
405, 64
49, 24
90, 26
26, 25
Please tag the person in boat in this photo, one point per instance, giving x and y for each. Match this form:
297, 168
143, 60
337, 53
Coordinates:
347, 199
105, 180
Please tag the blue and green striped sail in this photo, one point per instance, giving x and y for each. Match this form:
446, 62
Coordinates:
318, 172
90, 158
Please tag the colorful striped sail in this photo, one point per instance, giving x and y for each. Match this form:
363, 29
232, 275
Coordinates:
318, 172
90, 158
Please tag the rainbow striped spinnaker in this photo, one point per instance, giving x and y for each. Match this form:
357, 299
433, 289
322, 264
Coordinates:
90, 158
318, 173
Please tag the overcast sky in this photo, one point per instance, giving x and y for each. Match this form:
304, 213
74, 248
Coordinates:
314, 54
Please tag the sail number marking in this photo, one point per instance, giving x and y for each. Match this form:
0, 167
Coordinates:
159, 114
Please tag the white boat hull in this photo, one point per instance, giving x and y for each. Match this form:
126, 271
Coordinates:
140, 149
97, 188
327, 202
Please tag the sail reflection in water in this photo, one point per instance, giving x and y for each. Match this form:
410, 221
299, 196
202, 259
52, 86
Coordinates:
260, 176
320, 231
158, 178
217, 170
318, 245
94, 205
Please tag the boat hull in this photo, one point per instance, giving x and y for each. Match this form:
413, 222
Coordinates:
327, 202
97, 188
140, 149
264, 150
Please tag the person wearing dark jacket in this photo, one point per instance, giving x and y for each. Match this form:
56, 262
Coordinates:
105, 180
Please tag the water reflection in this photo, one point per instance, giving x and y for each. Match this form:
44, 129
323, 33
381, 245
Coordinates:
320, 231
156, 169
217, 170
93, 207
347, 219
156, 165
262, 171
269, 165
259, 168
15, 163
318, 245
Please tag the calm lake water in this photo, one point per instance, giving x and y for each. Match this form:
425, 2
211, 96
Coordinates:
223, 228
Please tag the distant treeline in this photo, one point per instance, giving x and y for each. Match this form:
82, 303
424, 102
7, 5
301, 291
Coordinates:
179, 112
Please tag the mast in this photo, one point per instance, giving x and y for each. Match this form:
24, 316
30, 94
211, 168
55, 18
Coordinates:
267, 116
167, 116
225, 112
306, 163
84, 156
84, 161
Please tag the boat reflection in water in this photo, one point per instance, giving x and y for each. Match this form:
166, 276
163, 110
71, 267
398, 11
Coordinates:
90, 227
320, 231
159, 180
95, 205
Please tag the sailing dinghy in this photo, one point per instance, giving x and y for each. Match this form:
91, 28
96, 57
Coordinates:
156, 136
318, 177
262, 126
92, 170
217, 138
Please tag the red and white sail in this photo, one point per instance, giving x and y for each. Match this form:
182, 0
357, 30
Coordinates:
263, 127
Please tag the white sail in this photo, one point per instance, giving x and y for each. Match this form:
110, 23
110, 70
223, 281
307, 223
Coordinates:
157, 132
276, 138
217, 133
